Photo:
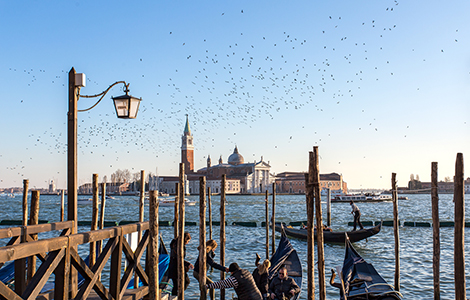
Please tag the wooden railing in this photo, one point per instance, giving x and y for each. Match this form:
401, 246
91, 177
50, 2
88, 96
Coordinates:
59, 256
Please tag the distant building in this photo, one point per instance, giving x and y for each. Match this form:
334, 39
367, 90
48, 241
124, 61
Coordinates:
187, 149
294, 182
52, 187
442, 186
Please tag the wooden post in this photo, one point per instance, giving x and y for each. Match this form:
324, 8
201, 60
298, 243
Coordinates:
319, 217
328, 208
176, 220
62, 205
181, 272
266, 204
209, 202
202, 238
141, 215
94, 219
20, 264
103, 204
72, 152
310, 229
222, 232
25, 201
459, 241
33, 220
273, 220
395, 231
435, 228
154, 290
142, 197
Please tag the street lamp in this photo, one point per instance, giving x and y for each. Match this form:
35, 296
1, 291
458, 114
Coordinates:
126, 108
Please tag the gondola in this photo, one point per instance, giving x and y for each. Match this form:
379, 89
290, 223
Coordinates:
333, 236
286, 255
360, 280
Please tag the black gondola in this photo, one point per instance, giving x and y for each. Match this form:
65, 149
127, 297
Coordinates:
332, 236
286, 255
360, 280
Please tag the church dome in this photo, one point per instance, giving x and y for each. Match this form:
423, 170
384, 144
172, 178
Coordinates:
235, 158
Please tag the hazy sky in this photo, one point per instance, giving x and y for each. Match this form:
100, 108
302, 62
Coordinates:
379, 86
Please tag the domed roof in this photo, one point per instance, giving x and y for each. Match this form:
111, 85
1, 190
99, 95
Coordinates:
235, 158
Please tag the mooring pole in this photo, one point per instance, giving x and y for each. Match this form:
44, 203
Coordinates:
202, 238
94, 218
328, 208
435, 230
310, 232
33, 220
209, 211
273, 220
395, 231
62, 205
459, 241
319, 217
222, 232
181, 273
266, 204
176, 220
25, 202
154, 290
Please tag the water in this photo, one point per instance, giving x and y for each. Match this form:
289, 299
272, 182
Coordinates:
243, 242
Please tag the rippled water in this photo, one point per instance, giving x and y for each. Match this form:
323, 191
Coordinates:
243, 242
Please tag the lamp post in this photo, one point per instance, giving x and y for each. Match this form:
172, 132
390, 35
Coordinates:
126, 108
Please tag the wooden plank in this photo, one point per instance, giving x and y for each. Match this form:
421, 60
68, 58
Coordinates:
92, 276
15, 252
44, 272
62, 276
86, 237
134, 227
115, 272
7, 293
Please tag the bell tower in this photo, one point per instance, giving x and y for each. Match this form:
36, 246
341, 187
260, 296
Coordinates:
187, 149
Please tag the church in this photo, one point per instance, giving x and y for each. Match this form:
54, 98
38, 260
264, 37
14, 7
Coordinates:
242, 177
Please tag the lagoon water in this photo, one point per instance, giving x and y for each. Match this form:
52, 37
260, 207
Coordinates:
243, 242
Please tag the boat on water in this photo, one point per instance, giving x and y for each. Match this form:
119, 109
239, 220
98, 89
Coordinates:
286, 255
362, 198
333, 236
360, 280
86, 201
170, 202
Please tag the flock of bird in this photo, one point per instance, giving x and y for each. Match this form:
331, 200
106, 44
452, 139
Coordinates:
229, 86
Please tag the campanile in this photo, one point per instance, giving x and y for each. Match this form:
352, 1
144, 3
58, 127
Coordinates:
187, 149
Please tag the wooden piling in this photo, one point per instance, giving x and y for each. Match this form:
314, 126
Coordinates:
209, 202
222, 232
435, 228
459, 241
142, 197
33, 220
395, 231
176, 219
25, 201
62, 205
103, 204
266, 204
94, 219
202, 238
273, 221
328, 208
181, 272
154, 290
310, 232
318, 210
20, 264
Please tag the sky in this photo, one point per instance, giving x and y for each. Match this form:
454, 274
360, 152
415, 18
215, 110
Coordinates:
380, 87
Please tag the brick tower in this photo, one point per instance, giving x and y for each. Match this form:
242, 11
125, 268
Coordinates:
187, 149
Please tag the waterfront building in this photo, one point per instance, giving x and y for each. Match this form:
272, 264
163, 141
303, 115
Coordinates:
294, 182
52, 187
